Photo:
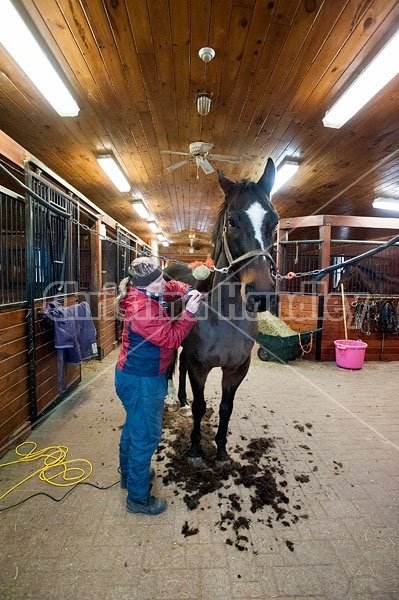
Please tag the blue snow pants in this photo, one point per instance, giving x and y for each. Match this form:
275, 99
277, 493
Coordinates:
143, 399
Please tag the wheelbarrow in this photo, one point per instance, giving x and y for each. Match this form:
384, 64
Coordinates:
283, 349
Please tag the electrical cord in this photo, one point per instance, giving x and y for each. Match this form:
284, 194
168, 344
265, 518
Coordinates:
55, 466
62, 498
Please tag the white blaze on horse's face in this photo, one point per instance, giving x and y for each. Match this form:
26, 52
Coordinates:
256, 214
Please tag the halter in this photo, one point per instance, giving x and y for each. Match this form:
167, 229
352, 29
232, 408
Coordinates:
234, 261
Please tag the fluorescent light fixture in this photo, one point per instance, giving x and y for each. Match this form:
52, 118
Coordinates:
287, 168
165, 243
114, 172
387, 203
381, 69
161, 237
140, 209
153, 226
24, 49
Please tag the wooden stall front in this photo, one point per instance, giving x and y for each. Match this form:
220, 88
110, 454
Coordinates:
54, 237
304, 312
310, 243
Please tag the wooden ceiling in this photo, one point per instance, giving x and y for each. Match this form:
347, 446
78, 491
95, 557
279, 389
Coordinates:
134, 69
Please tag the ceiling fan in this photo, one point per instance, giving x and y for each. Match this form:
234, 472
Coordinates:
199, 152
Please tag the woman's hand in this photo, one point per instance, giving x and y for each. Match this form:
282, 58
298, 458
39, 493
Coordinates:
193, 294
194, 298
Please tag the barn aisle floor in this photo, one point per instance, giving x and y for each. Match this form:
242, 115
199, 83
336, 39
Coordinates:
332, 532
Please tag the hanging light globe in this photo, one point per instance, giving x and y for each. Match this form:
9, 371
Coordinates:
203, 103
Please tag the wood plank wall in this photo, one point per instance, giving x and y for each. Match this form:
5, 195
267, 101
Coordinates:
300, 312
380, 346
15, 425
14, 387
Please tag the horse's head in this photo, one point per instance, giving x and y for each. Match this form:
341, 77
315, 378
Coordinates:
244, 234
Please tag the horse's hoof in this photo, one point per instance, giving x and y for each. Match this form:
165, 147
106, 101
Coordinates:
170, 403
224, 462
222, 459
185, 410
196, 462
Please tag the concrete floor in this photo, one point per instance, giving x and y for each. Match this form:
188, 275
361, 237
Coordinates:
337, 440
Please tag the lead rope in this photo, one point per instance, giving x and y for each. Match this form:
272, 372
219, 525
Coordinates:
306, 348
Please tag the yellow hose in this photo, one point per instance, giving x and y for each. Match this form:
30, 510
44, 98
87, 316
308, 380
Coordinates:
54, 466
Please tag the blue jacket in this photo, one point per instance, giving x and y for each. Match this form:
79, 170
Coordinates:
73, 330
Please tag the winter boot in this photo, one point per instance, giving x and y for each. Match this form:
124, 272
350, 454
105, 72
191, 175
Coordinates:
150, 506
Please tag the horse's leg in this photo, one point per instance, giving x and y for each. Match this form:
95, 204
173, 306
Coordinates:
197, 375
230, 382
171, 391
170, 399
182, 391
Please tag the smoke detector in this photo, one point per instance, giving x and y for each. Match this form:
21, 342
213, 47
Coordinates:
206, 54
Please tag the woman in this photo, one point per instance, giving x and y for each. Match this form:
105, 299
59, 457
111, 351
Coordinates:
149, 340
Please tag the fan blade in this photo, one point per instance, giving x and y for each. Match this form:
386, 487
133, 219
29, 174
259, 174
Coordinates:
224, 158
177, 165
172, 152
206, 166
204, 148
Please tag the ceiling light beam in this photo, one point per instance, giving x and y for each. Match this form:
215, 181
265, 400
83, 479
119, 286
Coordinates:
287, 168
386, 203
383, 67
114, 172
27, 53
153, 226
141, 209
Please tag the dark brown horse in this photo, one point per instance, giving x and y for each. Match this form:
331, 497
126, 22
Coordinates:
358, 278
181, 272
240, 285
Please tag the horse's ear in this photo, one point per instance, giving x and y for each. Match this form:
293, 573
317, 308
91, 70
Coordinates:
266, 182
226, 184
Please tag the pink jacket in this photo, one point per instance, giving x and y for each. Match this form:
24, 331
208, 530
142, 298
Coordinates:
150, 336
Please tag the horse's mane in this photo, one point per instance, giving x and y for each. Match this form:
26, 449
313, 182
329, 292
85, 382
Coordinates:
379, 275
370, 272
217, 233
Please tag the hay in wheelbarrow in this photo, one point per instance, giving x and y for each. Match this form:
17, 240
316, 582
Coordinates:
277, 341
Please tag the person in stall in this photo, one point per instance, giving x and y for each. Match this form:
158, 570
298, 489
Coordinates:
149, 338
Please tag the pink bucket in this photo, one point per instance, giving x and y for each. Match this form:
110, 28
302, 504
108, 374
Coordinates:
349, 354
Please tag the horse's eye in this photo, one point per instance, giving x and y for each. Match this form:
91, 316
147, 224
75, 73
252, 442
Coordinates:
231, 222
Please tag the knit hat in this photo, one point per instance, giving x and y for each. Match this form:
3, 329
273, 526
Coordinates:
143, 271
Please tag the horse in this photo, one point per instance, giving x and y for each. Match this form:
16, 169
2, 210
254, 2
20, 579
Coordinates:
180, 272
240, 285
184, 273
357, 278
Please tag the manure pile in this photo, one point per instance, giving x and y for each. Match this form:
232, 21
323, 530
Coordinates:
251, 489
